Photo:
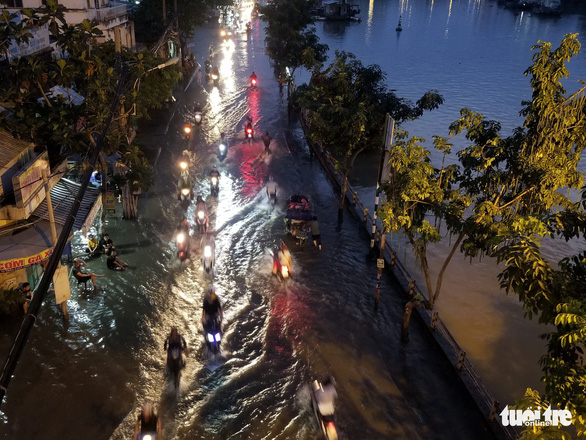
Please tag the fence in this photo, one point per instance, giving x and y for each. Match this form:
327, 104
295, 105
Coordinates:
484, 399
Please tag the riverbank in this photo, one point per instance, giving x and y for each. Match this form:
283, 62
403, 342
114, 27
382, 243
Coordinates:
463, 368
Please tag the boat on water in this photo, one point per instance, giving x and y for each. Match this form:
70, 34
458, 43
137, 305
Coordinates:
337, 10
399, 27
537, 7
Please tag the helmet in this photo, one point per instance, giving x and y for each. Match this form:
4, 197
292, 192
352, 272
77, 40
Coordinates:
199, 198
215, 168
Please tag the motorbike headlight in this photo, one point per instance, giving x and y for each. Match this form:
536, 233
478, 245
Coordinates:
185, 191
218, 337
222, 147
147, 437
180, 238
285, 271
210, 337
187, 129
183, 165
198, 117
223, 33
207, 251
200, 215
214, 180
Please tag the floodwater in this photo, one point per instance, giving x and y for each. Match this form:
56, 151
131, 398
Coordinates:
88, 378
475, 54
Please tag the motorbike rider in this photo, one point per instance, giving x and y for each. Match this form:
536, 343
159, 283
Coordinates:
271, 188
211, 307
282, 258
184, 226
216, 71
200, 205
326, 396
197, 108
174, 341
207, 239
148, 421
248, 124
214, 173
253, 78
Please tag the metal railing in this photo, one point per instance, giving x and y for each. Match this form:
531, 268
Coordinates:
484, 399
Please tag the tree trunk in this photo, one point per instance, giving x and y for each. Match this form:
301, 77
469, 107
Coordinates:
129, 203
407, 317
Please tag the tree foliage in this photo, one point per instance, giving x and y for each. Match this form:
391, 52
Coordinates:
290, 42
80, 66
512, 193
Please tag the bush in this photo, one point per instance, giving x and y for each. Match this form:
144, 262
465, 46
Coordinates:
10, 301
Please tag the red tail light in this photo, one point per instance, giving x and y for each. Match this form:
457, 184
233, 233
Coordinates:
249, 130
330, 424
253, 82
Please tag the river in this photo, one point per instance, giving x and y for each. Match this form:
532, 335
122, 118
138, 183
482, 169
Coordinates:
475, 54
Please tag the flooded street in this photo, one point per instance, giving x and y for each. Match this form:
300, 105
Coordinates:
89, 377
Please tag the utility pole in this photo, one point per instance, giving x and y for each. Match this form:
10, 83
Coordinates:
53, 234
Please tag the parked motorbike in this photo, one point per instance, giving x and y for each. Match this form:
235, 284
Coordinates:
326, 423
213, 334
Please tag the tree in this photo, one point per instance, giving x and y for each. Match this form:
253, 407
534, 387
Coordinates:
288, 38
345, 106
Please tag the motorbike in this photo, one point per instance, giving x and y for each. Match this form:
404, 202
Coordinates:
215, 76
326, 423
214, 185
208, 68
175, 364
222, 150
200, 220
213, 334
187, 132
273, 198
182, 241
208, 259
249, 133
185, 198
282, 271
198, 117
147, 436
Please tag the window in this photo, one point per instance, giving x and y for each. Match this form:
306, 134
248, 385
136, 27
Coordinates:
12, 3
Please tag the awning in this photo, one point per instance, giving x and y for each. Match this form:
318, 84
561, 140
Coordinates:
25, 247
62, 197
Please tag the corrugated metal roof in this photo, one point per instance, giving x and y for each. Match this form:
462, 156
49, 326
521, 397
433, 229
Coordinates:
10, 148
62, 197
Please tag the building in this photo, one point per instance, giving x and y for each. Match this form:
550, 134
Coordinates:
112, 17
26, 240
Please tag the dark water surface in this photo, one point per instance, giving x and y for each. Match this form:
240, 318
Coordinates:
88, 378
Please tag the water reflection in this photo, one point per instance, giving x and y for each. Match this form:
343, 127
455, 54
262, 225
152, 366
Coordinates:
336, 27
369, 22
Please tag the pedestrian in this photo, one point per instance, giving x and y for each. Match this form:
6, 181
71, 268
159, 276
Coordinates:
27, 294
106, 244
115, 263
93, 246
315, 235
80, 275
